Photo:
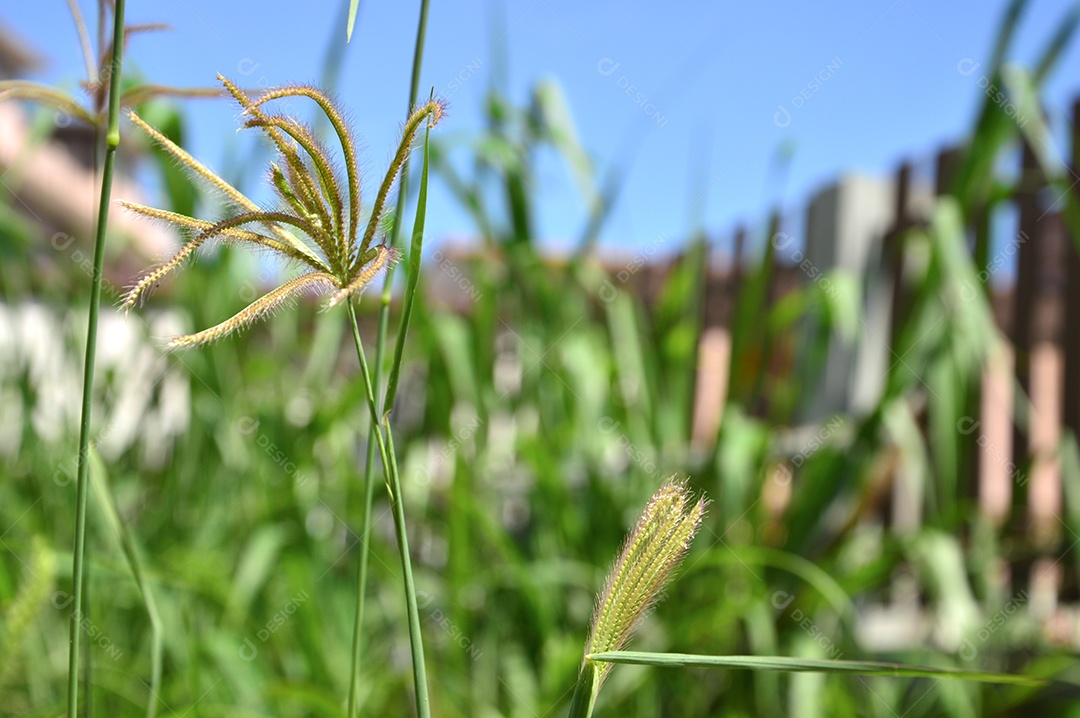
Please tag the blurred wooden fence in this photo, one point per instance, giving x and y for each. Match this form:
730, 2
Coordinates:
858, 225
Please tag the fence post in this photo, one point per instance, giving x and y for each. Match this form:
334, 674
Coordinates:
1020, 332
894, 248
845, 224
1071, 338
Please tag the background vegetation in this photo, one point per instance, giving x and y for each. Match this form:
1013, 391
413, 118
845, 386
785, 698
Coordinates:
531, 428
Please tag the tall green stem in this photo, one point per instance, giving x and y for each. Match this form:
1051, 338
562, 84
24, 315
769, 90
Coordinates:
112, 141
393, 485
380, 353
365, 530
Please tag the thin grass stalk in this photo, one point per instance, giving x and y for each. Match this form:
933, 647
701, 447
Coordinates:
380, 353
369, 499
393, 484
84, 41
112, 141
361, 577
365, 528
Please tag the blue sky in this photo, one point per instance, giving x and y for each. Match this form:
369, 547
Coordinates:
718, 87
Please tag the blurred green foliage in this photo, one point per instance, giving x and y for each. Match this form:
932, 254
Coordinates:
531, 430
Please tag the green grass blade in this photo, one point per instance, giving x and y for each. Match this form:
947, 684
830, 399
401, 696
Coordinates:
808, 665
415, 253
354, 5
1059, 42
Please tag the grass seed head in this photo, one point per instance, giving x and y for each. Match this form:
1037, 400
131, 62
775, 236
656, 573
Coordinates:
316, 201
652, 552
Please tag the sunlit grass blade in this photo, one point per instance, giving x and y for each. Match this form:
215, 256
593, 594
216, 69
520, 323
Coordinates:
808, 665
354, 5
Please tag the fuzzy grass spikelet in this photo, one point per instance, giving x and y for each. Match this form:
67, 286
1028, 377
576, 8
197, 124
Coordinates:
652, 552
317, 223
22, 610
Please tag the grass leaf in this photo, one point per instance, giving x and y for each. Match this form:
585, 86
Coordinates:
804, 665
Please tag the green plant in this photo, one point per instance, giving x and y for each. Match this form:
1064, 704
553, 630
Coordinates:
651, 554
415, 257
655, 547
337, 258
529, 433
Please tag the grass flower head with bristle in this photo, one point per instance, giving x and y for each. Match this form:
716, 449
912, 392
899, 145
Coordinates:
652, 552
316, 202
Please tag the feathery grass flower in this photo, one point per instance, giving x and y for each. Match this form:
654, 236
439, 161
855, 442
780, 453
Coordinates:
316, 202
652, 552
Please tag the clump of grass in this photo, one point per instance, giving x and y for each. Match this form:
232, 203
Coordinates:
652, 552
